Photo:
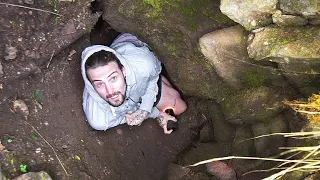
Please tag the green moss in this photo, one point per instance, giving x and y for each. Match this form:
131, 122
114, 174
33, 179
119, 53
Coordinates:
189, 10
254, 77
172, 49
285, 41
156, 5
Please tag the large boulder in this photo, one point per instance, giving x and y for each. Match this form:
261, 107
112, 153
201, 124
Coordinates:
223, 130
204, 151
243, 145
226, 49
285, 42
256, 105
250, 14
295, 50
307, 8
281, 19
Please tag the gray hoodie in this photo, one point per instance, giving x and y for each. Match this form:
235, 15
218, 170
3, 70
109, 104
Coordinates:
142, 73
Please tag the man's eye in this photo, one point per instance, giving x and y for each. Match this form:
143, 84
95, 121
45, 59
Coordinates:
113, 79
98, 85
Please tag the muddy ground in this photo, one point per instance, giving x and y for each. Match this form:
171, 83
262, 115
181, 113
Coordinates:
55, 136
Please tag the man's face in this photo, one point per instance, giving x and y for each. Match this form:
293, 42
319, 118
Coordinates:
109, 82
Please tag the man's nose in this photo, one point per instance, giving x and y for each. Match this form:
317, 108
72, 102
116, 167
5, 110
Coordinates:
109, 90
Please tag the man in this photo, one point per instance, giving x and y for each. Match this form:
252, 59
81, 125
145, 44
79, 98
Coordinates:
123, 85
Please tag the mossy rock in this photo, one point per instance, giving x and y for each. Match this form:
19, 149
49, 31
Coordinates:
260, 104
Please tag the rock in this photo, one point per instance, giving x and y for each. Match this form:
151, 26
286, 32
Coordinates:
206, 133
250, 14
176, 172
1, 69
301, 73
42, 175
306, 8
262, 144
285, 42
197, 176
205, 151
269, 145
221, 170
226, 50
21, 108
255, 105
288, 20
12, 53
243, 145
30, 2
223, 130
278, 125
315, 21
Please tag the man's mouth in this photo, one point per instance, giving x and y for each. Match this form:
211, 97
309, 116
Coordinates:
114, 96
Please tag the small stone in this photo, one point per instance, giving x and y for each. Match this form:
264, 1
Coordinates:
119, 131
221, 170
30, 2
42, 175
71, 54
1, 69
12, 52
64, 146
21, 108
38, 150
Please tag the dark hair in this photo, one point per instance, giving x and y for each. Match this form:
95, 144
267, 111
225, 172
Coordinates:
101, 58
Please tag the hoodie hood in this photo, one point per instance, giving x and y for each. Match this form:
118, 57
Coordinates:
85, 55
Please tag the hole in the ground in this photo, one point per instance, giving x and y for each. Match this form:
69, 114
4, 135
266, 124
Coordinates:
96, 6
102, 33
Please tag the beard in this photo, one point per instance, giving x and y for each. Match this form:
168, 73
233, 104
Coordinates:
116, 102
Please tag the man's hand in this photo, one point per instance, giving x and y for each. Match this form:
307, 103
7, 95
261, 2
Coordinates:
137, 117
163, 119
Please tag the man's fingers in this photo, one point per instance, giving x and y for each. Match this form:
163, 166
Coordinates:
166, 131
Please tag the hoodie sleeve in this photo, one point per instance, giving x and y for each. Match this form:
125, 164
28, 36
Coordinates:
151, 71
99, 118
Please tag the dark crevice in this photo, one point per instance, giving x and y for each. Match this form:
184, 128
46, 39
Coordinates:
96, 6
102, 33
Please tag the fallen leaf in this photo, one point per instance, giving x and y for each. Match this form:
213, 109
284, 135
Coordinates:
36, 96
